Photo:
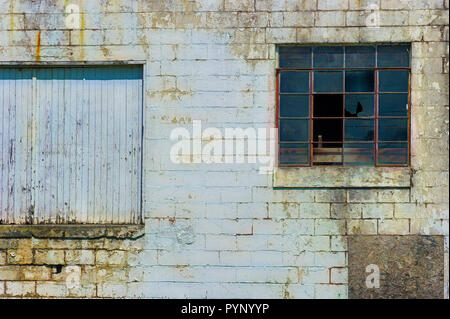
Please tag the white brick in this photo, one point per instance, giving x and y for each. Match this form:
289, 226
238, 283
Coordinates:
298, 226
329, 227
338, 243
393, 227
330, 259
266, 226
309, 210
220, 242
329, 19
281, 35
267, 258
378, 211
235, 258
314, 275
299, 291
283, 210
20, 288
51, 289
332, 4
362, 227
339, 275
331, 291
267, 274
188, 257
252, 210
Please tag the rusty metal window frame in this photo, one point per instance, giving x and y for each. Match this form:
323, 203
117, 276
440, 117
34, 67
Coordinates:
376, 117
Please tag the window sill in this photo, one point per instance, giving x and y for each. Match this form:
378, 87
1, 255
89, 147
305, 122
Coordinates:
80, 231
341, 177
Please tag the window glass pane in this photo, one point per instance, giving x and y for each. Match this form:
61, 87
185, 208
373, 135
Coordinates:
295, 57
359, 81
393, 129
359, 56
293, 130
328, 57
393, 153
393, 56
294, 105
294, 153
327, 154
359, 105
328, 81
294, 82
359, 130
394, 81
359, 154
393, 105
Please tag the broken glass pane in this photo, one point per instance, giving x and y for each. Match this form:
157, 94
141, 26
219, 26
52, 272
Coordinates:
359, 105
328, 105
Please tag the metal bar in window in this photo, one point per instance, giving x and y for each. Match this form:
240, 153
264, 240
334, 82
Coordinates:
277, 114
409, 119
310, 121
340, 69
341, 117
343, 107
376, 116
311, 110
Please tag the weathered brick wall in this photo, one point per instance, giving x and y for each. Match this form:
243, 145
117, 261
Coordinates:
222, 230
93, 266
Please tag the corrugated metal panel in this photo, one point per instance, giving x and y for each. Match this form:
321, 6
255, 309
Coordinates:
75, 135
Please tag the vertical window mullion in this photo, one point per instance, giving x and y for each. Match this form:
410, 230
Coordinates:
375, 111
343, 108
311, 110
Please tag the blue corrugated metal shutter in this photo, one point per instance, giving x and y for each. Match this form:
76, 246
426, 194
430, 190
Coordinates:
70, 143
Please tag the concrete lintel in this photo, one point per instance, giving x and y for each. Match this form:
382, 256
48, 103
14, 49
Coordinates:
339, 177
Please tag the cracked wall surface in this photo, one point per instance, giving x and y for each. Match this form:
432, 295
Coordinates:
224, 230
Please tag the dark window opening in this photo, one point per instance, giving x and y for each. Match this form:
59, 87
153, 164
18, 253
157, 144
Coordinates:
327, 128
343, 105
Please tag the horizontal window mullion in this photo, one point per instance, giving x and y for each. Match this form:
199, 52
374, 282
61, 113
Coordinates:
389, 142
341, 69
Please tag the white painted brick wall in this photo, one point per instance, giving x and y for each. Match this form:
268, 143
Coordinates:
221, 230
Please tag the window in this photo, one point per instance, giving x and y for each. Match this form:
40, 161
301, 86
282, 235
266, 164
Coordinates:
70, 144
343, 105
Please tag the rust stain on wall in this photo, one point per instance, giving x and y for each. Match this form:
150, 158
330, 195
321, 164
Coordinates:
38, 47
